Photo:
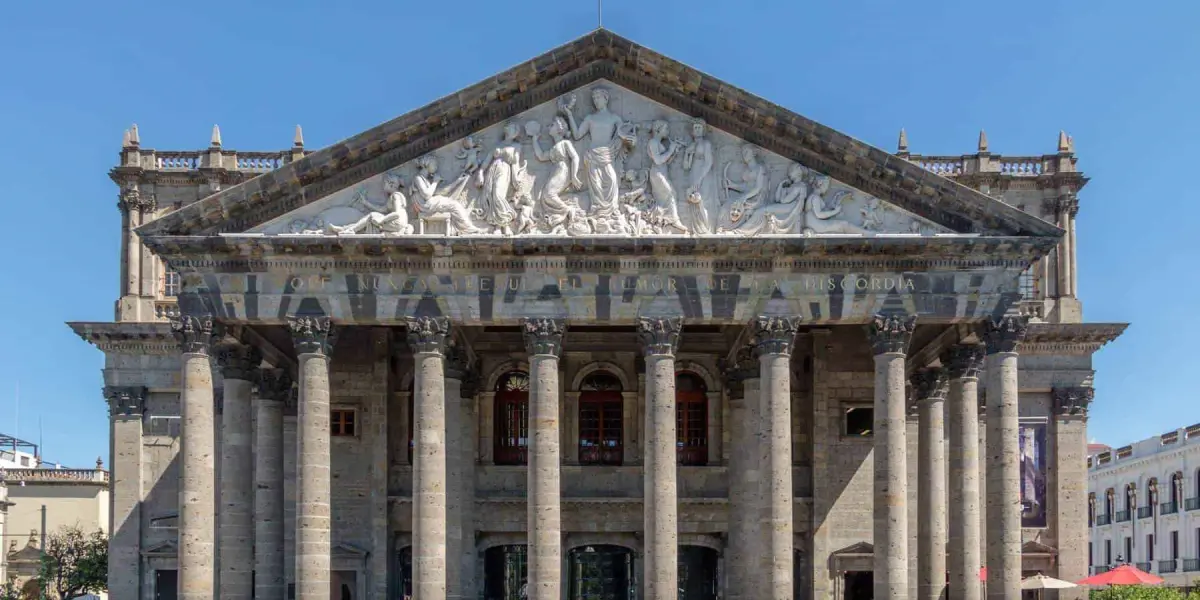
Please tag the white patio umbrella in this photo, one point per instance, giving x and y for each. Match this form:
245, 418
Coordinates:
1042, 582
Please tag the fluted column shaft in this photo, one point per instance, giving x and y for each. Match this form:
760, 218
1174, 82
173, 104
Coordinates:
660, 510
773, 340
235, 538
313, 339
428, 338
197, 485
964, 557
889, 337
929, 385
1003, 459
543, 341
274, 388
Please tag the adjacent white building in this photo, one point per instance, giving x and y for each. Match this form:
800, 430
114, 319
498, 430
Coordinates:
1144, 506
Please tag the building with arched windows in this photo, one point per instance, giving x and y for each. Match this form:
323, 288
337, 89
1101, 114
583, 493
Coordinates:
1144, 506
600, 327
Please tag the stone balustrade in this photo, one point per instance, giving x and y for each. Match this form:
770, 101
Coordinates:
18, 476
217, 158
983, 162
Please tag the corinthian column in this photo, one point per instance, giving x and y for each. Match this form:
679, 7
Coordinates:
274, 388
427, 336
660, 509
197, 485
774, 339
1003, 458
929, 386
236, 529
313, 338
741, 570
889, 336
962, 367
543, 341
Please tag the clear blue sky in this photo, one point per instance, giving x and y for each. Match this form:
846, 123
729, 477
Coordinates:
1121, 77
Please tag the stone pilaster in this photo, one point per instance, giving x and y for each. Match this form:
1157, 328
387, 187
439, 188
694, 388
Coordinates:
1003, 458
197, 479
929, 387
126, 405
428, 336
543, 341
773, 339
964, 556
659, 338
235, 539
1070, 486
274, 389
889, 337
313, 338
745, 542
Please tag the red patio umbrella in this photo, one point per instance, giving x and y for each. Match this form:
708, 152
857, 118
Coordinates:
1122, 575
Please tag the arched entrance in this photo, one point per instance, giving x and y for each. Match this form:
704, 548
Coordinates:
601, 573
505, 571
697, 573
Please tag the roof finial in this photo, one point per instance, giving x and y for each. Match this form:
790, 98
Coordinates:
902, 146
216, 137
126, 139
298, 139
133, 135
1064, 142
983, 143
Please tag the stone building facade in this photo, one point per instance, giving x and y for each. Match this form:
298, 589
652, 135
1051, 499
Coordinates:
600, 326
1143, 503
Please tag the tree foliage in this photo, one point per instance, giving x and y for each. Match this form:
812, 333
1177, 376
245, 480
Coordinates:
1141, 592
75, 563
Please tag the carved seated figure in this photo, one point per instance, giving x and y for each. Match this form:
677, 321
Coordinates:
393, 220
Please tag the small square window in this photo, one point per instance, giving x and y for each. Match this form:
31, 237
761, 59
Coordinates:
859, 421
342, 421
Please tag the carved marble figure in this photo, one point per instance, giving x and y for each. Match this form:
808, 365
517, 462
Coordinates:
430, 204
500, 179
698, 162
819, 217
870, 214
391, 218
604, 129
745, 196
560, 215
786, 209
471, 148
661, 151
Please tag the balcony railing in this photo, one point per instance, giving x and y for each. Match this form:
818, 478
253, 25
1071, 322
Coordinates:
23, 476
1102, 520
1146, 512
1096, 570
1191, 504
1168, 508
1191, 564
1166, 566
1142, 566
1123, 516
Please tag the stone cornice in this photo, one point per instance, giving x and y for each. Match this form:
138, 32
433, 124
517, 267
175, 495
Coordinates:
594, 56
1078, 339
128, 338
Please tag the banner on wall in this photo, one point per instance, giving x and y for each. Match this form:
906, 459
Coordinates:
1033, 475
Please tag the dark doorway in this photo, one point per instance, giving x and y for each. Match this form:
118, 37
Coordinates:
697, 573
859, 585
601, 573
505, 572
166, 584
404, 573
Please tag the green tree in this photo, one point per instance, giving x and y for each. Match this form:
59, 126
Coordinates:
9, 591
1137, 592
75, 563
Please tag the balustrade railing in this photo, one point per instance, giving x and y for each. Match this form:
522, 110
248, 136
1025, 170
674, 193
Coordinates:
194, 160
1167, 566
19, 476
1102, 520
1168, 508
1142, 566
1012, 166
1096, 570
1123, 516
1145, 512
165, 309
1191, 564
177, 161
1191, 504
1022, 166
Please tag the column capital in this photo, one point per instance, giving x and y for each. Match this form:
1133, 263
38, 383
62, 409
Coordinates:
126, 400
275, 384
774, 335
1005, 333
237, 360
929, 384
428, 335
963, 360
891, 333
195, 333
312, 335
659, 336
1073, 401
543, 335
458, 364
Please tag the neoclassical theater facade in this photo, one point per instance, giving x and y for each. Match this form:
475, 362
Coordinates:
599, 327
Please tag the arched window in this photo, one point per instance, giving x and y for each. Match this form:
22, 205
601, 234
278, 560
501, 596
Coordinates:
1152, 493
600, 420
1176, 490
691, 419
1130, 497
512, 419
1109, 503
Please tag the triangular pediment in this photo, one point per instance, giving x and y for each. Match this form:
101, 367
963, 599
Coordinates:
859, 548
869, 191
167, 549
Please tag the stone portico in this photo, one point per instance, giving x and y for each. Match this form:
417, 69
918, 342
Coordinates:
601, 326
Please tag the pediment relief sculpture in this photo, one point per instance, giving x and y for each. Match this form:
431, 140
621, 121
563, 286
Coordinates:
624, 165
